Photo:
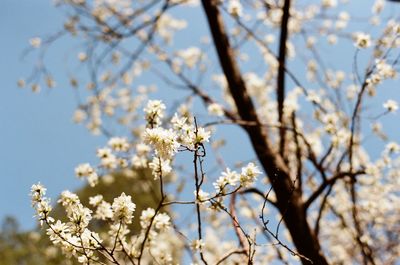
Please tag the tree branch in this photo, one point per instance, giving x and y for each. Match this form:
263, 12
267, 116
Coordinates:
280, 83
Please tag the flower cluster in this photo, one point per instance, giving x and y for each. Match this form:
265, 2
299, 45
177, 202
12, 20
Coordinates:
87, 171
40, 203
164, 141
160, 221
362, 40
189, 135
119, 144
123, 209
154, 112
75, 238
247, 176
391, 105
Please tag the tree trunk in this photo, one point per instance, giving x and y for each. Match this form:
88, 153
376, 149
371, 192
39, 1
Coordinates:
289, 203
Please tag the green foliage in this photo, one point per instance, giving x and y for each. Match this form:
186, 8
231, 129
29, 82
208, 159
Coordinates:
26, 248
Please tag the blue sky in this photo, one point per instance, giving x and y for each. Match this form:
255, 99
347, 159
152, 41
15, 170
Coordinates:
38, 140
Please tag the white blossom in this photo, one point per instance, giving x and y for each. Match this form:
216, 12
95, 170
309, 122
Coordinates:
154, 111
191, 56
249, 174
235, 8
160, 167
146, 217
362, 40
119, 144
391, 105
35, 42
123, 209
215, 109
164, 141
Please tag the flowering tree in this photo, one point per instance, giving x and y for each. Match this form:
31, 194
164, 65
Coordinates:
311, 181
